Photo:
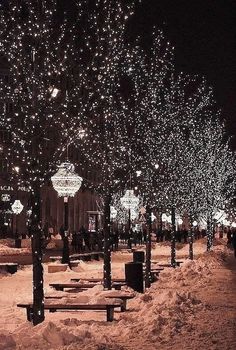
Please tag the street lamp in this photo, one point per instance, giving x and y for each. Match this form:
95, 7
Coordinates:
66, 182
130, 202
17, 208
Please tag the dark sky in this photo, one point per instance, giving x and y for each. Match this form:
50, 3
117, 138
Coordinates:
203, 33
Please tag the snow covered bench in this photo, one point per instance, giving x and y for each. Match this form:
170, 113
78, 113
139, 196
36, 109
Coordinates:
55, 258
177, 263
9, 267
108, 307
96, 280
124, 296
62, 286
87, 256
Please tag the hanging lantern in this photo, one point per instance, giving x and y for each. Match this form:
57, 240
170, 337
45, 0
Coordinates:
66, 182
17, 207
113, 212
129, 200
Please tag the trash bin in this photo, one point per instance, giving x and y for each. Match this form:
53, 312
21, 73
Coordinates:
17, 243
134, 276
138, 256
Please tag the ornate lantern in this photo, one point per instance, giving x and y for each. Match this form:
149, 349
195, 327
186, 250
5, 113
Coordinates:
66, 182
17, 207
129, 200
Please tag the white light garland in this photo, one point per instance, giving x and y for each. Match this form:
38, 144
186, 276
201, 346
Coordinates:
17, 207
66, 182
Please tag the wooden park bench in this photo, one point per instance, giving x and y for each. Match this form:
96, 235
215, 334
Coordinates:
97, 280
62, 286
124, 296
178, 263
87, 256
120, 295
108, 307
9, 267
81, 256
55, 258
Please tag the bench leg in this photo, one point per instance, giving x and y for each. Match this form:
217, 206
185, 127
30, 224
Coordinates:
123, 306
29, 313
12, 269
58, 288
117, 287
110, 313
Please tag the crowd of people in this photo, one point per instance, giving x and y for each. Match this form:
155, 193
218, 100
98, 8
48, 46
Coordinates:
86, 241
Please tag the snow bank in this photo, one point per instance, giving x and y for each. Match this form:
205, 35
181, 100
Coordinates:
168, 308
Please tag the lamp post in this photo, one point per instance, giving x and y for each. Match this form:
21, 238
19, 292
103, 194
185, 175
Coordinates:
193, 224
129, 201
17, 208
66, 182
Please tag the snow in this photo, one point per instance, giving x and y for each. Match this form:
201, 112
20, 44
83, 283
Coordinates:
190, 307
7, 247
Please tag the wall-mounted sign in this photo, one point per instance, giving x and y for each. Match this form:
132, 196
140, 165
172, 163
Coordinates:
10, 188
6, 188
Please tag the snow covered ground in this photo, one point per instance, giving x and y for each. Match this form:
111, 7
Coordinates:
191, 307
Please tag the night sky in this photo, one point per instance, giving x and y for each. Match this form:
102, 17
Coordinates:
203, 33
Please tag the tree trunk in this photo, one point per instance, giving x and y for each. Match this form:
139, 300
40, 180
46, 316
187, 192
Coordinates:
209, 233
107, 248
173, 230
148, 249
36, 244
191, 240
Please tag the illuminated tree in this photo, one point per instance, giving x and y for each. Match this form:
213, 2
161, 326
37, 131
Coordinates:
41, 101
105, 147
214, 171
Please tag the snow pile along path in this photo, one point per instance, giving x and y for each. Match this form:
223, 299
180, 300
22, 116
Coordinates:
190, 307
